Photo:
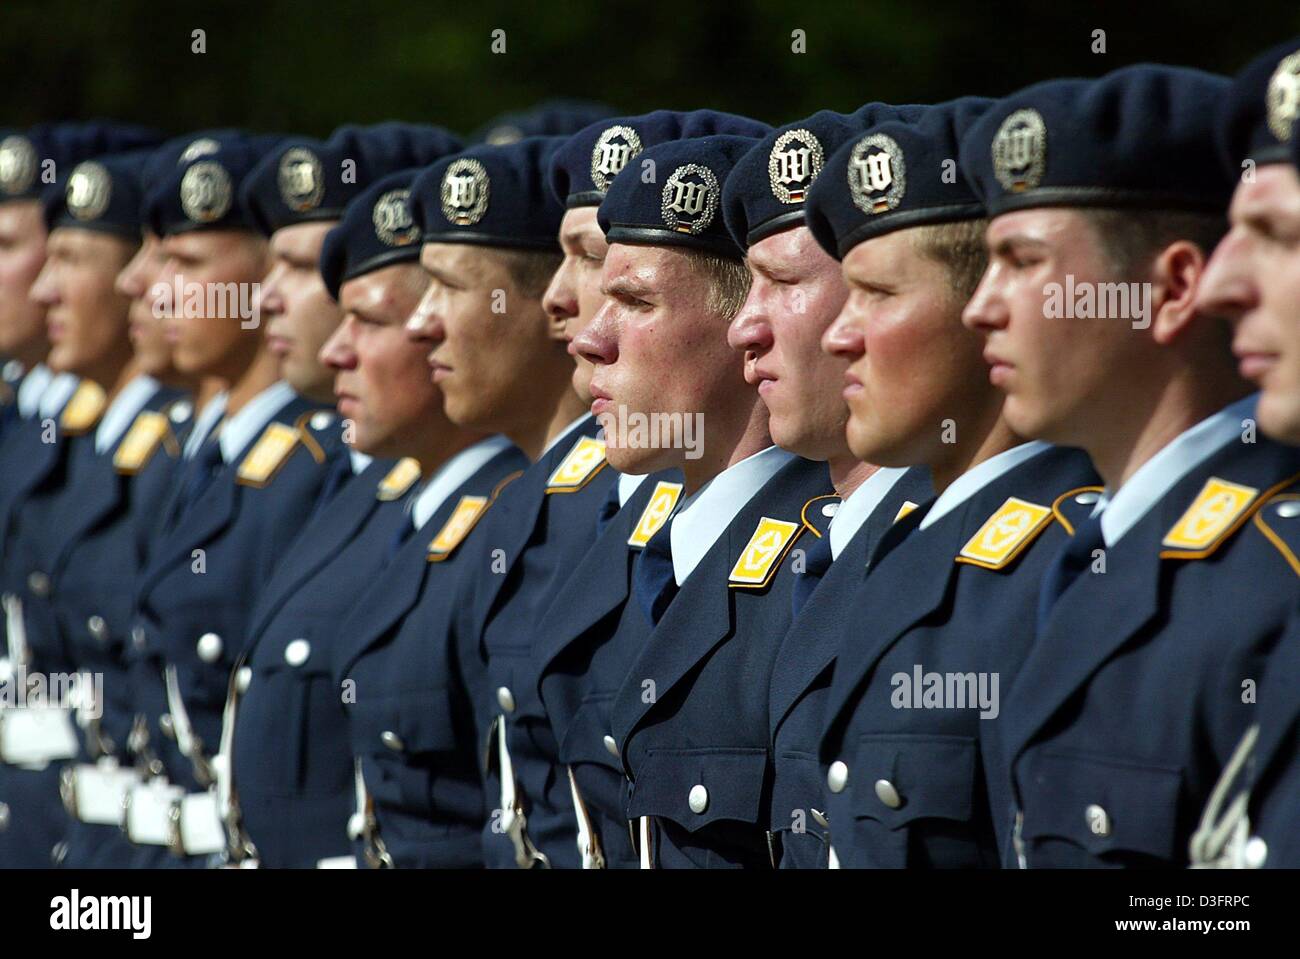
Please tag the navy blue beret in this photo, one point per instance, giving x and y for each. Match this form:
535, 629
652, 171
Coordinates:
377, 230
491, 195
24, 155
550, 118
1142, 136
103, 194
201, 190
893, 175
766, 192
679, 202
587, 163
1258, 115
304, 180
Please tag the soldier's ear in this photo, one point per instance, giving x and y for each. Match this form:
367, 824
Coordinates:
1174, 280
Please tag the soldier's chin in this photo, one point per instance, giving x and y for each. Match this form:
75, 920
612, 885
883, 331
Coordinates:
635, 460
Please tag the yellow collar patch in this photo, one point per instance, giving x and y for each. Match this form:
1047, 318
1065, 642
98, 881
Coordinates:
267, 455
140, 442
906, 508
1005, 534
1219, 508
580, 464
763, 552
84, 409
398, 480
462, 519
662, 503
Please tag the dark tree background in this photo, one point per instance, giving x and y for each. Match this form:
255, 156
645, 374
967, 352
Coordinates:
308, 66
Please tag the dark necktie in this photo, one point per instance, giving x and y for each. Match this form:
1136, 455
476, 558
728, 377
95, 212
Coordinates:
1066, 567
608, 509
405, 528
199, 474
652, 579
817, 560
338, 473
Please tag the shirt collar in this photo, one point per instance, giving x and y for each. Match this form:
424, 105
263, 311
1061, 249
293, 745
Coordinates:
242, 428
979, 476
452, 475
56, 395
122, 412
204, 424
1121, 509
31, 388
711, 508
627, 485
861, 503
359, 462
568, 430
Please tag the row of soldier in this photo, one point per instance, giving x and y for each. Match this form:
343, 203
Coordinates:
888, 488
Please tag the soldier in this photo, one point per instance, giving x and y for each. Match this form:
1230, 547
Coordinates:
1138, 686
1252, 279
912, 774
550, 118
570, 660
249, 487
795, 293
711, 583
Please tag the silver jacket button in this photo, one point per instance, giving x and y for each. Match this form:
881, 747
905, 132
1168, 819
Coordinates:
321, 420
837, 777
39, 584
611, 745
137, 637
887, 794
1255, 853
1087, 498
392, 740
98, 628
506, 699
209, 647
1098, 820
296, 653
244, 678
1288, 509
698, 798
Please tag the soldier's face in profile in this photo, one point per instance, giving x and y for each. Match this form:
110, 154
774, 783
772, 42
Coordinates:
658, 347
911, 364
22, 252
212, 342
796, 292
1058, 369
574, 296
153, 354
484, 335
1253, 278
381, 377
85, 316
299, 313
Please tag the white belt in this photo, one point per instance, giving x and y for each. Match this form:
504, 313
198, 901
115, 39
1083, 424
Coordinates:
588, 844
337, 862
147, 815
643, 830
96, 793
197, 829
833, 861
35, 735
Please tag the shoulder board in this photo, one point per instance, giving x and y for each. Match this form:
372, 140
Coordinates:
1005, 534
1075, 506
310, 423
84, 409
1218, 511
399, 479
141, 441
762, 554
583, 461
1279, 521
660, 506
818, 512
267, 455
903, 510
463, 518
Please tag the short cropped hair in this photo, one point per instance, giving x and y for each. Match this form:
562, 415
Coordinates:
530, 270
959, 248
728, 282
1131, 239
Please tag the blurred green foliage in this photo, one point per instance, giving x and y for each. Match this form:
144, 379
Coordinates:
308, 66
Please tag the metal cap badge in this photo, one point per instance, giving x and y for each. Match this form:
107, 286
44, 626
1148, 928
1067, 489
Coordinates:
206, 192
301, 179
1020, 151
1283, 97
392, 218
465, 192
88, 191
796, 159
877, 174
613, 151
690, 199
17, 164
